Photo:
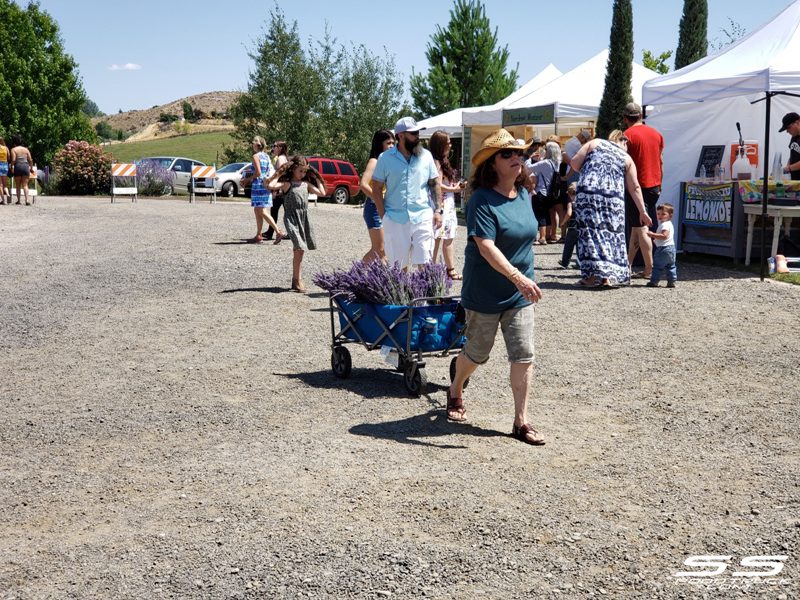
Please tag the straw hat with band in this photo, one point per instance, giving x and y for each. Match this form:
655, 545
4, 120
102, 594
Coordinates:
496, 141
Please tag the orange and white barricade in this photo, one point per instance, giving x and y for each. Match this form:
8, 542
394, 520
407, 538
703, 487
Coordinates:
207, 173
127, 171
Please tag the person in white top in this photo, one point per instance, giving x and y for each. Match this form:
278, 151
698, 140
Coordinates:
664, 251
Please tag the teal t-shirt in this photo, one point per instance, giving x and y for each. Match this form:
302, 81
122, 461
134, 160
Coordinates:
512, 226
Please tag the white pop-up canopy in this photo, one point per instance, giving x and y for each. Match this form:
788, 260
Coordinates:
575, 96
450, 122
491, 114
701, 103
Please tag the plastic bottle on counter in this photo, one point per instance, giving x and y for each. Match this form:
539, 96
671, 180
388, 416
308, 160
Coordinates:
702, 172
742, 169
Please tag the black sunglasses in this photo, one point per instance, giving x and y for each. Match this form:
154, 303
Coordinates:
509, 153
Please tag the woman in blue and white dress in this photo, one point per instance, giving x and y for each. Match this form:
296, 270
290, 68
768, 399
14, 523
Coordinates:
260, 195
599, 212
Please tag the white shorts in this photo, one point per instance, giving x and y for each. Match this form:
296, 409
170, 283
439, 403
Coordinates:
449, 224
404, 239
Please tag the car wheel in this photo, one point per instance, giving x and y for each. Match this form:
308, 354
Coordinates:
341, 195
229, 189
168, 190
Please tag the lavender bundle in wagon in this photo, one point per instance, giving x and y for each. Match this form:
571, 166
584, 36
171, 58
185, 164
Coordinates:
377, 283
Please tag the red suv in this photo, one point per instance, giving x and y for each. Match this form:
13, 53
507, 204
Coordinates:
341, 177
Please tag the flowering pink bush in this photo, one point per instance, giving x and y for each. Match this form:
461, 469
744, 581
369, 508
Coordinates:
82, 168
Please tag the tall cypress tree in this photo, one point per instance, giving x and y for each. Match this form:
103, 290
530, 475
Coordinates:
466, 66
619, 70
693, 33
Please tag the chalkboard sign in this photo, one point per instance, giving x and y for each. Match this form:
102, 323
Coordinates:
710, 157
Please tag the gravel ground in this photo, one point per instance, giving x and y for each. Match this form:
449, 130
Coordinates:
171, 428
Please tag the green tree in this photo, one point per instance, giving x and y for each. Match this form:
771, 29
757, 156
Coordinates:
324, 99
692, 33
41, 94
362, 95
466, 67
281, 99
188, 112
619, 70
90, 109
656, 63
104, 130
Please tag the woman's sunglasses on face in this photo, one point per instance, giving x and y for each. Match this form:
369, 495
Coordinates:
509, 153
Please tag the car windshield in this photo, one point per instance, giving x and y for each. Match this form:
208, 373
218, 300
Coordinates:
160, 160
231, 168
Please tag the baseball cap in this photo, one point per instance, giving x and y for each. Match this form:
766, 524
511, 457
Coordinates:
788, 119
632, 110
408, 125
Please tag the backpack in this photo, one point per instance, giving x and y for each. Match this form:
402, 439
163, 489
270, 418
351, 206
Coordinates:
554, 189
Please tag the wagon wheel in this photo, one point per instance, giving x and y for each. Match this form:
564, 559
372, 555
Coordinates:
453, 372
415, 379
341, 363
401, 363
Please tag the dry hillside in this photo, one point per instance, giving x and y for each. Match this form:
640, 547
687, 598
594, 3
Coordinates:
136, 121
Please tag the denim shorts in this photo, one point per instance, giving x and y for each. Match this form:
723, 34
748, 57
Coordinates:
517, 327
3, 169
371, 217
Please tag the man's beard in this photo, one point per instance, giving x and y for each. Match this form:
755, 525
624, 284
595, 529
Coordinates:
413, 146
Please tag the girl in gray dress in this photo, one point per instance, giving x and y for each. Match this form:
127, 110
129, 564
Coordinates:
296, 179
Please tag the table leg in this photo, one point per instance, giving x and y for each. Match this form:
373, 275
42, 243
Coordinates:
776, 234
787, 226
751, 221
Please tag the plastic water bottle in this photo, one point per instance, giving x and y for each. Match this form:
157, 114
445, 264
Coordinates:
702, 172
430, 339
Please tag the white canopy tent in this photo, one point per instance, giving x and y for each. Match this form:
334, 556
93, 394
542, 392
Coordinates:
575, 96
563, 105
450, 122
491, 114
701, 103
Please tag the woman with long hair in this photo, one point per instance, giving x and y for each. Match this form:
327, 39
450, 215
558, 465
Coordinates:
280, 154
382, 140
22, 161
499, 290
260, 196
440, 148
296, 179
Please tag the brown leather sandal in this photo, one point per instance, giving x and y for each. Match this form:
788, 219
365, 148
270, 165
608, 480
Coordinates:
526, 433
455, 405
454, 275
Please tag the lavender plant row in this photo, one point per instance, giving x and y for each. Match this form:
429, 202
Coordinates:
378, 283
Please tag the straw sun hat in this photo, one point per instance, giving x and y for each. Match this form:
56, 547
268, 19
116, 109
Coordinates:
497, 140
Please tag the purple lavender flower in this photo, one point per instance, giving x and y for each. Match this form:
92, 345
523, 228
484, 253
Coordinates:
377, 283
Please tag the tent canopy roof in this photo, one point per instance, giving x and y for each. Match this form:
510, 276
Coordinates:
577, 93
766, 60
450, 121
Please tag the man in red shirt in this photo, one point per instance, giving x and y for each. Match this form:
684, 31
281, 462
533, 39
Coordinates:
645, 147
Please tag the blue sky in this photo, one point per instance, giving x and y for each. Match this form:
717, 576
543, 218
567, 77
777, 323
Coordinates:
137, 55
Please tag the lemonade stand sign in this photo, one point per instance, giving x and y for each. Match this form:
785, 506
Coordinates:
708, 205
